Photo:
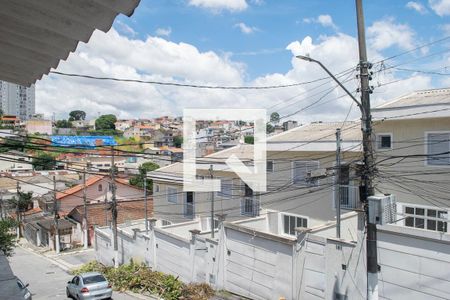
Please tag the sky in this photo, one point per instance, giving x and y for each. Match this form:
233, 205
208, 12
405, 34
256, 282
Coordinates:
252, 43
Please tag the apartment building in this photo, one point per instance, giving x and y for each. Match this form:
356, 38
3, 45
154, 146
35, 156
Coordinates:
17, 100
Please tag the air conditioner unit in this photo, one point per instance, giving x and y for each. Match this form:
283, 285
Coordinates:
382, 209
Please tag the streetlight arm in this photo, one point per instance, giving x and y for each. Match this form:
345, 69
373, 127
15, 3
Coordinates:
309, 59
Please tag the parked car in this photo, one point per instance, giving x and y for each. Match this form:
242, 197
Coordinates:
24, 289
87, 286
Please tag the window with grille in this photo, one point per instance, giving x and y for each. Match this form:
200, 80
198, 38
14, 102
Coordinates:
438, 149
172, 195
290, 222
300, 172
426, 218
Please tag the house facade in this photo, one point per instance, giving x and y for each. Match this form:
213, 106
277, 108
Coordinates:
412, 151
300, 181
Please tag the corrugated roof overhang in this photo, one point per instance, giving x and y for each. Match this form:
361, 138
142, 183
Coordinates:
36, 35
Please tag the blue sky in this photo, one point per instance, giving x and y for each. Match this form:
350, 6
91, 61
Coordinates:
249, 42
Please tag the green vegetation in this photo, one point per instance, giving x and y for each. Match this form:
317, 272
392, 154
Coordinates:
249, 139
63, 124
77, 115
269, 128
7, 237
275, 117
178, 141
106, 122
141, 279
44, 161
138, 180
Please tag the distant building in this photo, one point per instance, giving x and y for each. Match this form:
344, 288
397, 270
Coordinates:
17, 100
289, 125
39, 126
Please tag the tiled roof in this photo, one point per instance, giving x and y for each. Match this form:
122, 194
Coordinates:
425, 97
126, 211
90, 181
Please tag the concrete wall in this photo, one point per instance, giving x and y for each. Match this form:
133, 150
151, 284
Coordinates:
415, 263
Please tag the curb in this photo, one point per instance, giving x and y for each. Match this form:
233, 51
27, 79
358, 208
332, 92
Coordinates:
58, 264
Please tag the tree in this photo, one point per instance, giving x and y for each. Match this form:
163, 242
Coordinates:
178, 141
21, 203
44, 161
63, 124
7, 238
77, 115
138, 180
249, 139
269, 128
275, 117
105, 122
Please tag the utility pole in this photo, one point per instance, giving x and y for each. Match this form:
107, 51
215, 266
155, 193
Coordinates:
114, 211
85, 229
55, 217
145, 203
338, 183
367, 188
18, 210
212, 203
106, 209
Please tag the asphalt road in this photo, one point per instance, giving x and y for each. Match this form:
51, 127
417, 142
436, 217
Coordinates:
47, 281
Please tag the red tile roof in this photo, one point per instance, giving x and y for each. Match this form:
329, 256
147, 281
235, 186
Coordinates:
90, 181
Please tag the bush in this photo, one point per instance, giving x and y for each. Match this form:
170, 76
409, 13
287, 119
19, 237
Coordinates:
141, 279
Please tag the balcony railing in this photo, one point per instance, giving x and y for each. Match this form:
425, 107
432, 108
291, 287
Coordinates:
250, 206
348, 196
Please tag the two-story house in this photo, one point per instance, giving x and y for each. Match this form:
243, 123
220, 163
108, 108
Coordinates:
300, 181
412, 153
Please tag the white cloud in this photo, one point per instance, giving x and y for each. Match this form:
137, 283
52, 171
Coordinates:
440, 7
246, 29
219, 5
386, 33
157, 59
163, 31
417, 6
125, 29
324, 20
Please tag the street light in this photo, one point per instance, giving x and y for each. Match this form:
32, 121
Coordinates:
309, 59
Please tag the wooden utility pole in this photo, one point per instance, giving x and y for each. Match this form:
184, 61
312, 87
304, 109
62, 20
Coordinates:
145, 202
85, 218
56, 217
367, 174
212, 203
338, 183
19, 233
114, 210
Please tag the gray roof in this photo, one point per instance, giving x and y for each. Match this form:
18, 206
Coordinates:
424, 97
36, 35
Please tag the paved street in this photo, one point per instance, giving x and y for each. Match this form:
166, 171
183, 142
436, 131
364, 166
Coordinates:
47, 281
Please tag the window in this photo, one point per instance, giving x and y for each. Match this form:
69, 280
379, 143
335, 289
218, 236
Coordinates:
438, 148
172, 195
248, 192
269, 166
226, 188
301, 170
384, 141
100, 187
156, 188
426, 218
290, 222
